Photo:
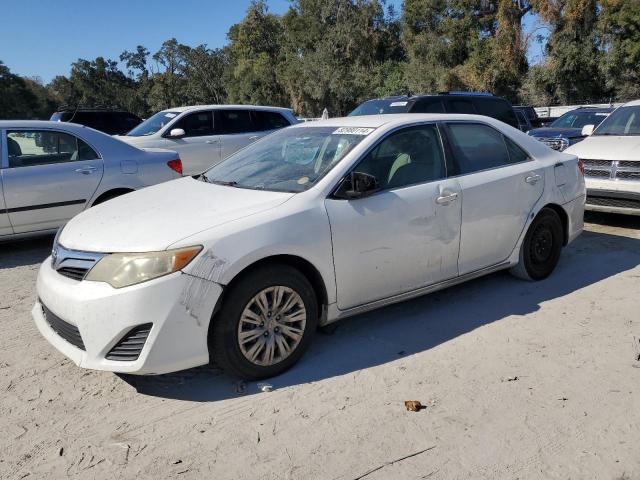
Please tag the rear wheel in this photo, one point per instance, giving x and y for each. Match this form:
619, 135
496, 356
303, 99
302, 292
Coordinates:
540, 251
266, 323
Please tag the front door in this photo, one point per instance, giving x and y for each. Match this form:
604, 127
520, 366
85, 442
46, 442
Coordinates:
199, 148
500, 186
407, 235
50, 177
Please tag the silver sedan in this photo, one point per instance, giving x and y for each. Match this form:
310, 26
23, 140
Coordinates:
51, 171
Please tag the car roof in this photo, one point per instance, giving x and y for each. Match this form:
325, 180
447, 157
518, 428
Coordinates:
392, 119
226, 107
40, 124
592, 110
633, 103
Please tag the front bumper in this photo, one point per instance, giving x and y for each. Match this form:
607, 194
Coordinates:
613, 196
178, 306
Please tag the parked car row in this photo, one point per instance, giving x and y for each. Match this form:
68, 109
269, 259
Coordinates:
268, 238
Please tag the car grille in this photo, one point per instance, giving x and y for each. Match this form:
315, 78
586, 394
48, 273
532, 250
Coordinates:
74, 273
129, 347
73, 264
612, 170
556, 143
613, 202
67, 331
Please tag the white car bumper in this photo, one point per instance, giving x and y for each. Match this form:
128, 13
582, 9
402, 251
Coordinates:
102, 316
614, 196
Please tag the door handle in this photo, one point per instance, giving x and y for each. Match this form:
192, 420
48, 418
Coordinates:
86, 170
254, 137
212, 141
446, 198
532, 179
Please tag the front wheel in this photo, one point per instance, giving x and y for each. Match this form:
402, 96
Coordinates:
540, 251
265, 324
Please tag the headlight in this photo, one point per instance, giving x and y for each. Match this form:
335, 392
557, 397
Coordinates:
124, 269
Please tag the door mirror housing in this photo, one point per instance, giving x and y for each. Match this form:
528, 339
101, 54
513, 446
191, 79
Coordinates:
588, 130
357, 185
177, 133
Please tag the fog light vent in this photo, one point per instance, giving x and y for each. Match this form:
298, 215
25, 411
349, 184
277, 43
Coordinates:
129, 347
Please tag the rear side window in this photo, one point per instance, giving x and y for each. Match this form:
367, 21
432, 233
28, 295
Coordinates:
461, 105
428, 105
198, 124
29, 148
496, 108
479, 147
234, 121
269, 120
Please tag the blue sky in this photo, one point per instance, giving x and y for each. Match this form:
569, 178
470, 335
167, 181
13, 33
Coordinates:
42, 38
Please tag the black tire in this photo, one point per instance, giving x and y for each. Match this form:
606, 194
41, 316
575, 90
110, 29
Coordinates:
224, 344
540, 251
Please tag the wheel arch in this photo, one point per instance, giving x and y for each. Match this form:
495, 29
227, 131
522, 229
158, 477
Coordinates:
112, 193
301, 264
564, 219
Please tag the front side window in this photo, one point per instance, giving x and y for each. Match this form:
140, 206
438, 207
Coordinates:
460, 105
153, 124
409, 156
29, 148
289, 160
479, 147
579, 119
198, 124
234, 121
428, 105
625, 121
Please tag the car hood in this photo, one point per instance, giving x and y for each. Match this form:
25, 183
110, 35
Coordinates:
549, 132
156, 217
607, 147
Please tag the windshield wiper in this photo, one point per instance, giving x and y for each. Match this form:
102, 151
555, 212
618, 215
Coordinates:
222, 182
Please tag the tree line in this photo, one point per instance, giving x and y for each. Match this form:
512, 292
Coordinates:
336, 53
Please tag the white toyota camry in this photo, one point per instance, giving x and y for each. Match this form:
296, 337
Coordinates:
307, 226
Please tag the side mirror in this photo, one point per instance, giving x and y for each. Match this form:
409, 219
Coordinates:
357, 185
588, 130
176, 133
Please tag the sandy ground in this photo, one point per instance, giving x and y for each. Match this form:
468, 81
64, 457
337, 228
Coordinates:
519, 380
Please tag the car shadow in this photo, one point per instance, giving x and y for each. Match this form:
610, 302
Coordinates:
18, 253
418, 325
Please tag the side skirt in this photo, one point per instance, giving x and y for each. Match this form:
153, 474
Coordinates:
336, 314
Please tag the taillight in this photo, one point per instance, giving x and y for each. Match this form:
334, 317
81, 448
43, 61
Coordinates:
581, 166
175, 165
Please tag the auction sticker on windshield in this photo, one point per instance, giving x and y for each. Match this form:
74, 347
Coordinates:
353, 131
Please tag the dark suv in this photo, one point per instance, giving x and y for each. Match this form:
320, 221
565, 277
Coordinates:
113, 122
448, 102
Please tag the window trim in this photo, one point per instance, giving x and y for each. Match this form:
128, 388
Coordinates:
250, 111
4, 147
364, 155
171, 125
447, 138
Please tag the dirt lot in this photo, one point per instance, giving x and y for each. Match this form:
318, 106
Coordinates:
519, 380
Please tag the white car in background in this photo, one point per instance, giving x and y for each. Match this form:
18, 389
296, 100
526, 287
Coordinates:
51, 171
203, 135
315, 223
611, 156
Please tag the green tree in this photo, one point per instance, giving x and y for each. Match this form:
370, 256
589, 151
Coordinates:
620, 27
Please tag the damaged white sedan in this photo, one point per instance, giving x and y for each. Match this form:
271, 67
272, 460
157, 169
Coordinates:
312, 224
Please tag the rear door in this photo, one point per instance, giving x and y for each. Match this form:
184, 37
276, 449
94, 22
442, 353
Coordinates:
5, 225
500, 185
50, 177
199, 148
237, 129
